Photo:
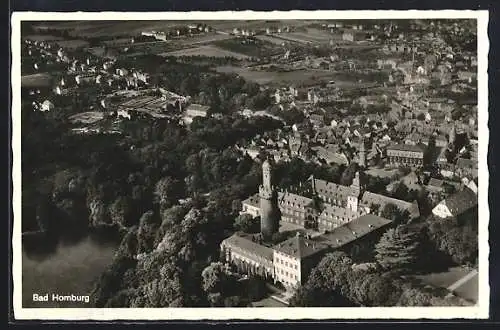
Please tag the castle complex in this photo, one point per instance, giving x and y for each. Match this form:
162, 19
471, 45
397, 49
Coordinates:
342, 217
339, 204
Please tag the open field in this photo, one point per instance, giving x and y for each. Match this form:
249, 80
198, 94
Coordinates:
42, 37
210, 51
250, 46
312, 36
87, 117
271, 39
292, 77
117, 41
203, 38
36, 80
70, 44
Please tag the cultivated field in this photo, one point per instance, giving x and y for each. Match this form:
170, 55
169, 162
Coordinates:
210, 51
36, 80
87, 117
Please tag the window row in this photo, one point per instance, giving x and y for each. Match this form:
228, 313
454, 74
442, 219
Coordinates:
287, 274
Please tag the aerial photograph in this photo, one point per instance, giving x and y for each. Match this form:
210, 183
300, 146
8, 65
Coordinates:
249, 163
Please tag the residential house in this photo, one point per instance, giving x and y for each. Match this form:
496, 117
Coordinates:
456, 204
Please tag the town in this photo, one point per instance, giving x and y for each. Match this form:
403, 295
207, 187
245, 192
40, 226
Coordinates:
259, 163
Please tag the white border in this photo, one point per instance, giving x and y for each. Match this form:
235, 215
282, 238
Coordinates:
481, 310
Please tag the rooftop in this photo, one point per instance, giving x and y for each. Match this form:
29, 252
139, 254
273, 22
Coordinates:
245, 243
252, 200
461, 201
372, 198
294, 200
406, 147
300, 247
353, 230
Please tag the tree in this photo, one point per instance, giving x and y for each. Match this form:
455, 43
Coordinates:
348, 175
397, 250
111, 281
430, 151
389, 211
246, 223
146, 233
328, 283
414, 297
98, 212
167, 191
460, 242
162, 292
119, 211
256, 288
214, 278
171, 220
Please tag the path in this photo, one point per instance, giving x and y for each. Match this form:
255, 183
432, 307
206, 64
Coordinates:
462, 281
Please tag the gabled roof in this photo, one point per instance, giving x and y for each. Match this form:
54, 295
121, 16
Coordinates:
461, 201
294, 200
353, 230
372, 198
246, 244
252, 200
333, 190
300, 247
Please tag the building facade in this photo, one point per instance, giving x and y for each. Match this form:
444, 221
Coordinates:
405, 155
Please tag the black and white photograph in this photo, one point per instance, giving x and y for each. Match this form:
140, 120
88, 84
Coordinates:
175, 165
